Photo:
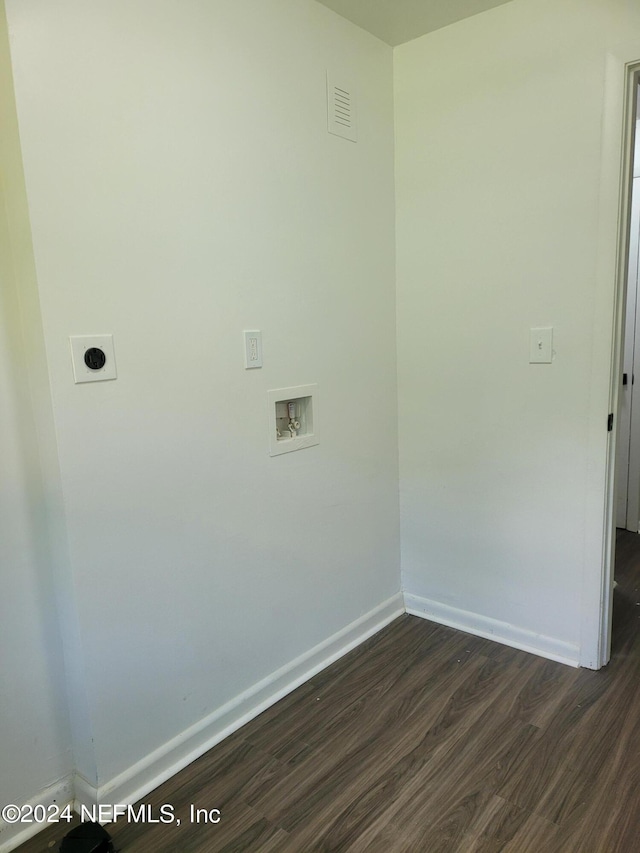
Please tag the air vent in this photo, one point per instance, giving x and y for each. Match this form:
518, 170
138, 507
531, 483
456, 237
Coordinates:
341, 103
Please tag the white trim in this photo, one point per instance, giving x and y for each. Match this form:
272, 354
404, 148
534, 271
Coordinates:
615, 180
633, 473
141, 778
14, 834
627, 437
85, 794
492, 629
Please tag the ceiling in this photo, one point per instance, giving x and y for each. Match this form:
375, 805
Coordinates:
397, 21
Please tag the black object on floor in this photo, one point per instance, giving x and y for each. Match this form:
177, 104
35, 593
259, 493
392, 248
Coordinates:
87, 838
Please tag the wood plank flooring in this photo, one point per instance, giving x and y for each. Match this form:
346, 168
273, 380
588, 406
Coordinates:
428, 740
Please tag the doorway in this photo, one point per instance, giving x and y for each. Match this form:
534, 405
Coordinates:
627, 453
628, 438
622, 76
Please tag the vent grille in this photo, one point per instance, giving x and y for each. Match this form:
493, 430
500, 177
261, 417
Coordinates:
342, 112
342, 107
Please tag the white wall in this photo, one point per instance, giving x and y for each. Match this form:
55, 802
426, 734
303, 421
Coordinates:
498, 160
183, 187
34, 725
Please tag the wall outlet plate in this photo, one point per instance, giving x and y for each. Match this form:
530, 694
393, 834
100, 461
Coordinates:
305, 398
85, 351
252, 349
541, 345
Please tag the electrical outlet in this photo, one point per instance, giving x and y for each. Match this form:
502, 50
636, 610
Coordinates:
93, 358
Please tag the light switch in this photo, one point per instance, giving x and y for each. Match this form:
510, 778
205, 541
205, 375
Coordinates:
541, 346
252, 349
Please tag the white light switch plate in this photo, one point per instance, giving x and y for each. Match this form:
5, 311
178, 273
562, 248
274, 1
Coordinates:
79, 346
541, 346
252, 349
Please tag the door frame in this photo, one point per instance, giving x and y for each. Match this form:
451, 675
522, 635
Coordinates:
632, 503
622, 70
628, 450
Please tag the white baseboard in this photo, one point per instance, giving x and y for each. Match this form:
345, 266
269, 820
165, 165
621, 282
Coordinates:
141, 778
493, 629
12, 835
85, 794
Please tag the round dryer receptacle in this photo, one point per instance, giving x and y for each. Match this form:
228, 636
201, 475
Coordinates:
94, 358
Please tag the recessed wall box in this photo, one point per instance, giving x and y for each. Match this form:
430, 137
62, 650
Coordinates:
93, 358
293, 419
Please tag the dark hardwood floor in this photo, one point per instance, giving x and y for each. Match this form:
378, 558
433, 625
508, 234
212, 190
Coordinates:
428, 740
